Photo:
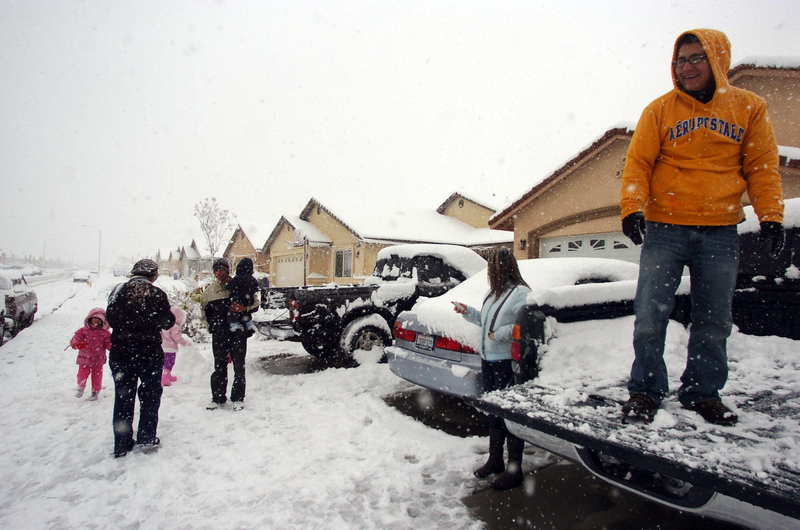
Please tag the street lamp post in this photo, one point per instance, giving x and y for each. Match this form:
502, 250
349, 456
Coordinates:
44, 252
99, 245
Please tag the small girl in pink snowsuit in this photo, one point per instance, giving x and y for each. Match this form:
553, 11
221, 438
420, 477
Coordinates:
170, 339
92, 341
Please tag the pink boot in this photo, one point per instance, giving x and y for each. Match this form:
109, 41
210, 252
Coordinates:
171, 377
165, 380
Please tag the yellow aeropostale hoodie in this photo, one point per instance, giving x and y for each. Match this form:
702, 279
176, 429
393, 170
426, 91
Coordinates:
689, 163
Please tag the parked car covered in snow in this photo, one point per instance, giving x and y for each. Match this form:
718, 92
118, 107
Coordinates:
21, 303
438, 349
333, 319
80, 276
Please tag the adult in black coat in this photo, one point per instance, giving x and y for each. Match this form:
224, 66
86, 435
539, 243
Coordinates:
137, 312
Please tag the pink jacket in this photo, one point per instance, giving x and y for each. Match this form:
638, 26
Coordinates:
170, 338
92, 343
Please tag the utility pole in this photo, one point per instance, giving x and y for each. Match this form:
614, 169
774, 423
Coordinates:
99, 246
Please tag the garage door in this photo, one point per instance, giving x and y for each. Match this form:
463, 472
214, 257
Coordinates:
288, 270
608, 245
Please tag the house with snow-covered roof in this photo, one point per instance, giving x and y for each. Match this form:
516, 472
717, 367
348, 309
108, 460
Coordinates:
193, 260
338, 242
247, 241
168, 261
574, 210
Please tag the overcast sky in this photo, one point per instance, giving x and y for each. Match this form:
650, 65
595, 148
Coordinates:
124, 115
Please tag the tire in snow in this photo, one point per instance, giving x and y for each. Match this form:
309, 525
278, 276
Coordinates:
366, 333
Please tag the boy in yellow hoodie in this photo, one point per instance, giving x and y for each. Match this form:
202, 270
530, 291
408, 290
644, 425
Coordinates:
694, 153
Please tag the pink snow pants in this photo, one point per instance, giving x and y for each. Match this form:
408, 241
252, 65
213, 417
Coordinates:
97, 376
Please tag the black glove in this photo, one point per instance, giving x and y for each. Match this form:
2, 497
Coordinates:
634, 227
774, 236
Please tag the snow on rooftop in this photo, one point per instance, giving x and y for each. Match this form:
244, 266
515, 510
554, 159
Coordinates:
461, 258
791, 153
763, 61
311, 232
627, 126
257, 233
791, 217
374, 222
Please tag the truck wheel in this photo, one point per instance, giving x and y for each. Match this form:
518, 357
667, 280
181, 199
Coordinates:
320, 349
360, 336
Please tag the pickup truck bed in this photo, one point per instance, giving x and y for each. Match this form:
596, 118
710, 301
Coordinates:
727, 462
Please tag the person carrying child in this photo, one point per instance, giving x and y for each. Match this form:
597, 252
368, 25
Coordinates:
242, 290
170, 339
92, 341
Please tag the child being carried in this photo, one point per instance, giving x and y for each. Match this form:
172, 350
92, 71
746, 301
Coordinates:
242, 290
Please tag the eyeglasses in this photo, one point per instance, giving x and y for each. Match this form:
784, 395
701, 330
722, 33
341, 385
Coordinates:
680, 62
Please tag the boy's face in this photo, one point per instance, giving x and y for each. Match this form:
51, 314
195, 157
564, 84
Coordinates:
694, 77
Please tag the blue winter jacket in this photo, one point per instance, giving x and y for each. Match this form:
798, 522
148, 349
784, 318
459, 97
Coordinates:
505, 307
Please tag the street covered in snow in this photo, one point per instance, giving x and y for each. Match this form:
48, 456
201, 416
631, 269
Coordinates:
319, 450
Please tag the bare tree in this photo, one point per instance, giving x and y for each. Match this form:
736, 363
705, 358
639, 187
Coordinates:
215, 223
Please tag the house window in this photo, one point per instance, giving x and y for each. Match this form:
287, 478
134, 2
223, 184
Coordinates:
620, 245
555, 248
344, 263
574, 246
597, 244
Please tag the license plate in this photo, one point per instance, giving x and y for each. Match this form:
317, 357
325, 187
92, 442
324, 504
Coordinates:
424, 341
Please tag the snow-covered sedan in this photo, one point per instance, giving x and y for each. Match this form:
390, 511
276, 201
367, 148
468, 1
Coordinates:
438, 349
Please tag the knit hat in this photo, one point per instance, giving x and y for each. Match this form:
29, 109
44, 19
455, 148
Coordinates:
221, 264
145, 267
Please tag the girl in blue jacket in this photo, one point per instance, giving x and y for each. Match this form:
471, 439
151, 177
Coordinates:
507, 293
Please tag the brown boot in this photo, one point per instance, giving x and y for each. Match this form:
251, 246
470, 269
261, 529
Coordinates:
512, 476
495, 462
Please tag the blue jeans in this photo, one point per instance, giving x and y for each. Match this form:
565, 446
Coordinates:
712, 255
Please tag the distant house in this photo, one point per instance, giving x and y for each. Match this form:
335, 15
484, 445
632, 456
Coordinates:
193, 261
169, 261
575, 210
340, 244
248, 243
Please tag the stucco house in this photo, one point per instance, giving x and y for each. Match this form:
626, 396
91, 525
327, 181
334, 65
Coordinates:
248, 241
575, 210
340, 244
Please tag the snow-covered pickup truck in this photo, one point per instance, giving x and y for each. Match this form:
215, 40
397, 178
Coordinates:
573, 354
333, 319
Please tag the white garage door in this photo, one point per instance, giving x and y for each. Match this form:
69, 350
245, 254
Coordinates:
608, 245
288, 270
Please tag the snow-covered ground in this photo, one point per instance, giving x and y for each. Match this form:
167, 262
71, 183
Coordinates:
318, 450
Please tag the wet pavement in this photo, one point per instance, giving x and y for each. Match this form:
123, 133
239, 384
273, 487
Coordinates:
558, 495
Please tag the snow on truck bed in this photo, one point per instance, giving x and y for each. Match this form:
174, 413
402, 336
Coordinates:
593, 358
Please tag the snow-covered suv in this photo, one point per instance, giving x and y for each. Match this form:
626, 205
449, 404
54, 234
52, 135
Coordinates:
21, 303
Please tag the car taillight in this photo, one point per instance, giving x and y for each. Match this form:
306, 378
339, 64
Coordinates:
515, 346
446, 343
402, 333
294, 310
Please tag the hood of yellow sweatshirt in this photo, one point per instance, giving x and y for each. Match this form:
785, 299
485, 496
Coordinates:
718, 49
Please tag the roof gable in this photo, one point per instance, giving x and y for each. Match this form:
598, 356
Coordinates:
504, 220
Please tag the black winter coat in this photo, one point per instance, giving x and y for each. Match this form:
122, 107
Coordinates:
243, 287
137, 312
